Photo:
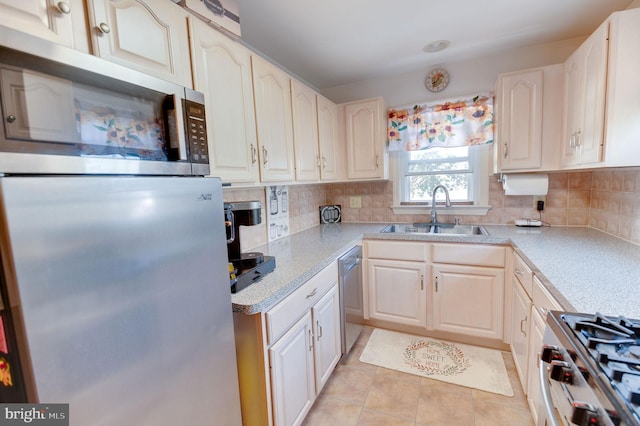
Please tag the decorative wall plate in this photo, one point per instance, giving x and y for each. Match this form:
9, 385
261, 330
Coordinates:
437, 80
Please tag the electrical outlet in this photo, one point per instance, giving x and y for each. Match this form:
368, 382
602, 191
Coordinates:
537, 198
355, 202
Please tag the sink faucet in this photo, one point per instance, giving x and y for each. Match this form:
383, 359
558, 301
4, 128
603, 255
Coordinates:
434, 213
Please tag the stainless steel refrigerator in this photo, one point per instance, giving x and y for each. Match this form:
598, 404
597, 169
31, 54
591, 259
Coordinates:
115, 299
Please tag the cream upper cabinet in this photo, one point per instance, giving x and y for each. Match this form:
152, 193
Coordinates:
147, 35
585, 89
272, 94
622, 131
520, 119
305, 132
328, 138
367, 157
62, 22
529, 119
222, 71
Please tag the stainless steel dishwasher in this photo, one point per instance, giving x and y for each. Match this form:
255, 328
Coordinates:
351, 303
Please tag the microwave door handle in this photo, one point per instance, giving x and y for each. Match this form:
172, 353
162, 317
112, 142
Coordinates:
175, 132
546, 396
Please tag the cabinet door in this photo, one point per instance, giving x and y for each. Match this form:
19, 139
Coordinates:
271, 89
594, 65
535, 348
468, 300
292, 373
305, 132
521, 119
365, 139
585, 90
573, 108
520, 331
117, 29
327, 137
58, 21
222, 71
327, 345
397, 291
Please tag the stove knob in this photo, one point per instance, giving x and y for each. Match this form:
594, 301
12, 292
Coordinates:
585, 414
585, 373
551, 353
561, 372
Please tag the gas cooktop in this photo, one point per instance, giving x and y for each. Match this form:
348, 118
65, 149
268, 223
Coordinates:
613, 346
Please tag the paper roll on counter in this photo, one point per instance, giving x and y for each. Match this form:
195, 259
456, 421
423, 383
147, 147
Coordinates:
525, 184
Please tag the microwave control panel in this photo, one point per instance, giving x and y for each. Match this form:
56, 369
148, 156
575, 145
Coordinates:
196, 131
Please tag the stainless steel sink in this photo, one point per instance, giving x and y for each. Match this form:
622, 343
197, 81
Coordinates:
435, 228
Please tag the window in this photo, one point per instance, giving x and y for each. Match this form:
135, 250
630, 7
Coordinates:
451, 167
463, 170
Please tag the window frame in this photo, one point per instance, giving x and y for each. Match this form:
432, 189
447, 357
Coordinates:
469, 158
479, 157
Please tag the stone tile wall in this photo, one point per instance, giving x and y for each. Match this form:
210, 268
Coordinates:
608, 200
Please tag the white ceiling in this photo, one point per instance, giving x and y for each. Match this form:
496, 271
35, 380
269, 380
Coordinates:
333, 42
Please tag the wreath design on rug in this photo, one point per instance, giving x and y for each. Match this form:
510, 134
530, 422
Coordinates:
434, 357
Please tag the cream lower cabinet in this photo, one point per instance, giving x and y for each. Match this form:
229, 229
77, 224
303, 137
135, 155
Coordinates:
396, 281
520, 330
292, 376
468, 300
147, 35
534, 394
522, 288
468, 289
542, 303
397, 291
286, 354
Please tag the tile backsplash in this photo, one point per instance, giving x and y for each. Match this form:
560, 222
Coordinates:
608, 200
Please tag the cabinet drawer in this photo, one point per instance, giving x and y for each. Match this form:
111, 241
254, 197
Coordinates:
524, 274
542, 299
416, 251
282, 316
469, 254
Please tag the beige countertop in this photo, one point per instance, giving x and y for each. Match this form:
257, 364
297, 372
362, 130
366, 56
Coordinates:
586, 270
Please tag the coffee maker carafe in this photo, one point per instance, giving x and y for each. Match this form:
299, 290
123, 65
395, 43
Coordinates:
250, 266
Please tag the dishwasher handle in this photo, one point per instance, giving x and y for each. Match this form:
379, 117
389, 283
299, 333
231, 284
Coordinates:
353, 264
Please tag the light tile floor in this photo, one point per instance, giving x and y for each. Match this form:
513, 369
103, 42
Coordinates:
363, 394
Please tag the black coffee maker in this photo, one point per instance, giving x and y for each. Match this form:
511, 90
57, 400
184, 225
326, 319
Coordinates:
251, 266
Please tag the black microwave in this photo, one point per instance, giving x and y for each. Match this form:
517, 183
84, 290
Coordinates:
68, 112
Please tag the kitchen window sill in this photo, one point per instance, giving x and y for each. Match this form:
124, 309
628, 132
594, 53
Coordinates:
454, 210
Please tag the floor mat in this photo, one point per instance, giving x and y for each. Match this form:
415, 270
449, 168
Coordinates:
464, 365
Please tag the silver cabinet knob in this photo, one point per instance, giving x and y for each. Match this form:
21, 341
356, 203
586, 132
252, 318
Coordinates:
11, 118
104, 28
63, 7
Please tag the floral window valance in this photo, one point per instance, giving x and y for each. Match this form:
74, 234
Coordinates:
459, 123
